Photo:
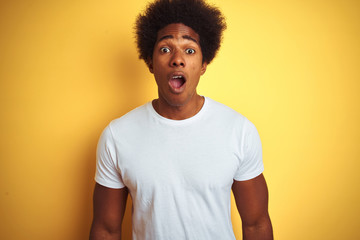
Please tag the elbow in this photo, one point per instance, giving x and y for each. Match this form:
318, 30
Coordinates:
258, 229
100, 232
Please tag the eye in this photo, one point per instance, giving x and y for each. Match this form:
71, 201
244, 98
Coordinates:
190, 51
164, 49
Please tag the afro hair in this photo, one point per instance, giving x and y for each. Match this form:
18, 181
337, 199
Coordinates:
204, 19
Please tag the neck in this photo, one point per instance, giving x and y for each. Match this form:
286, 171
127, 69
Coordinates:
179, 112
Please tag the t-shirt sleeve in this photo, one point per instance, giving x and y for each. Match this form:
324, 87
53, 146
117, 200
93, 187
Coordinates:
251, 164
107, 172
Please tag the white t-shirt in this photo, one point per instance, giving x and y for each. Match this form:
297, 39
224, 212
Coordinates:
179, 172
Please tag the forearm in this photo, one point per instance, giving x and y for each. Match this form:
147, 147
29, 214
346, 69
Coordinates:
259, 231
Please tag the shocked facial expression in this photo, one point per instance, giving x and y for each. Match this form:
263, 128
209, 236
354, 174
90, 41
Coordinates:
177, 64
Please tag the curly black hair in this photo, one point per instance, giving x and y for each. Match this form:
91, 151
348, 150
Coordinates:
204, 19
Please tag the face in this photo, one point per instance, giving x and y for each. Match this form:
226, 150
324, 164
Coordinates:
177, 64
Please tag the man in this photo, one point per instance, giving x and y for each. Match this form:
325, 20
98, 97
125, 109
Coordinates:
180, 155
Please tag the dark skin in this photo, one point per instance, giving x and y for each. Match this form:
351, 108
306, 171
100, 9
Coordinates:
177, 50
109, 208
251, 199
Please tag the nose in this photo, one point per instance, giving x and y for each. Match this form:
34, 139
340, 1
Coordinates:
177, 60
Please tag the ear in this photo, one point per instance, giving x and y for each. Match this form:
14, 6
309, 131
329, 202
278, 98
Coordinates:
203, 68
149, 62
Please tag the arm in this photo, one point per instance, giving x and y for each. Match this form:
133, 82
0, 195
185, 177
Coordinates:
109, 209
251, 199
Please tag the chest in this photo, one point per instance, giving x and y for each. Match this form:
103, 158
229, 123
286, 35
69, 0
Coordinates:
187, 158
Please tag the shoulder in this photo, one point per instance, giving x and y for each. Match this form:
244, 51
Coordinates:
224, 113
133, 117
128, 123
226, 118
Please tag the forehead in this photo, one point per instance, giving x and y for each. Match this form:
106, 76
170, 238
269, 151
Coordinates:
177, 31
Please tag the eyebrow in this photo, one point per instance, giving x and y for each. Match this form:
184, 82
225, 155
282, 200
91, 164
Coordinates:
171, 37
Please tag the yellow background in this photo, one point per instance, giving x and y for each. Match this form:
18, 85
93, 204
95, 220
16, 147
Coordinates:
69, 67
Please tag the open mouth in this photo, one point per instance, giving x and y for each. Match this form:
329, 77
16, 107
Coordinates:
177, 81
